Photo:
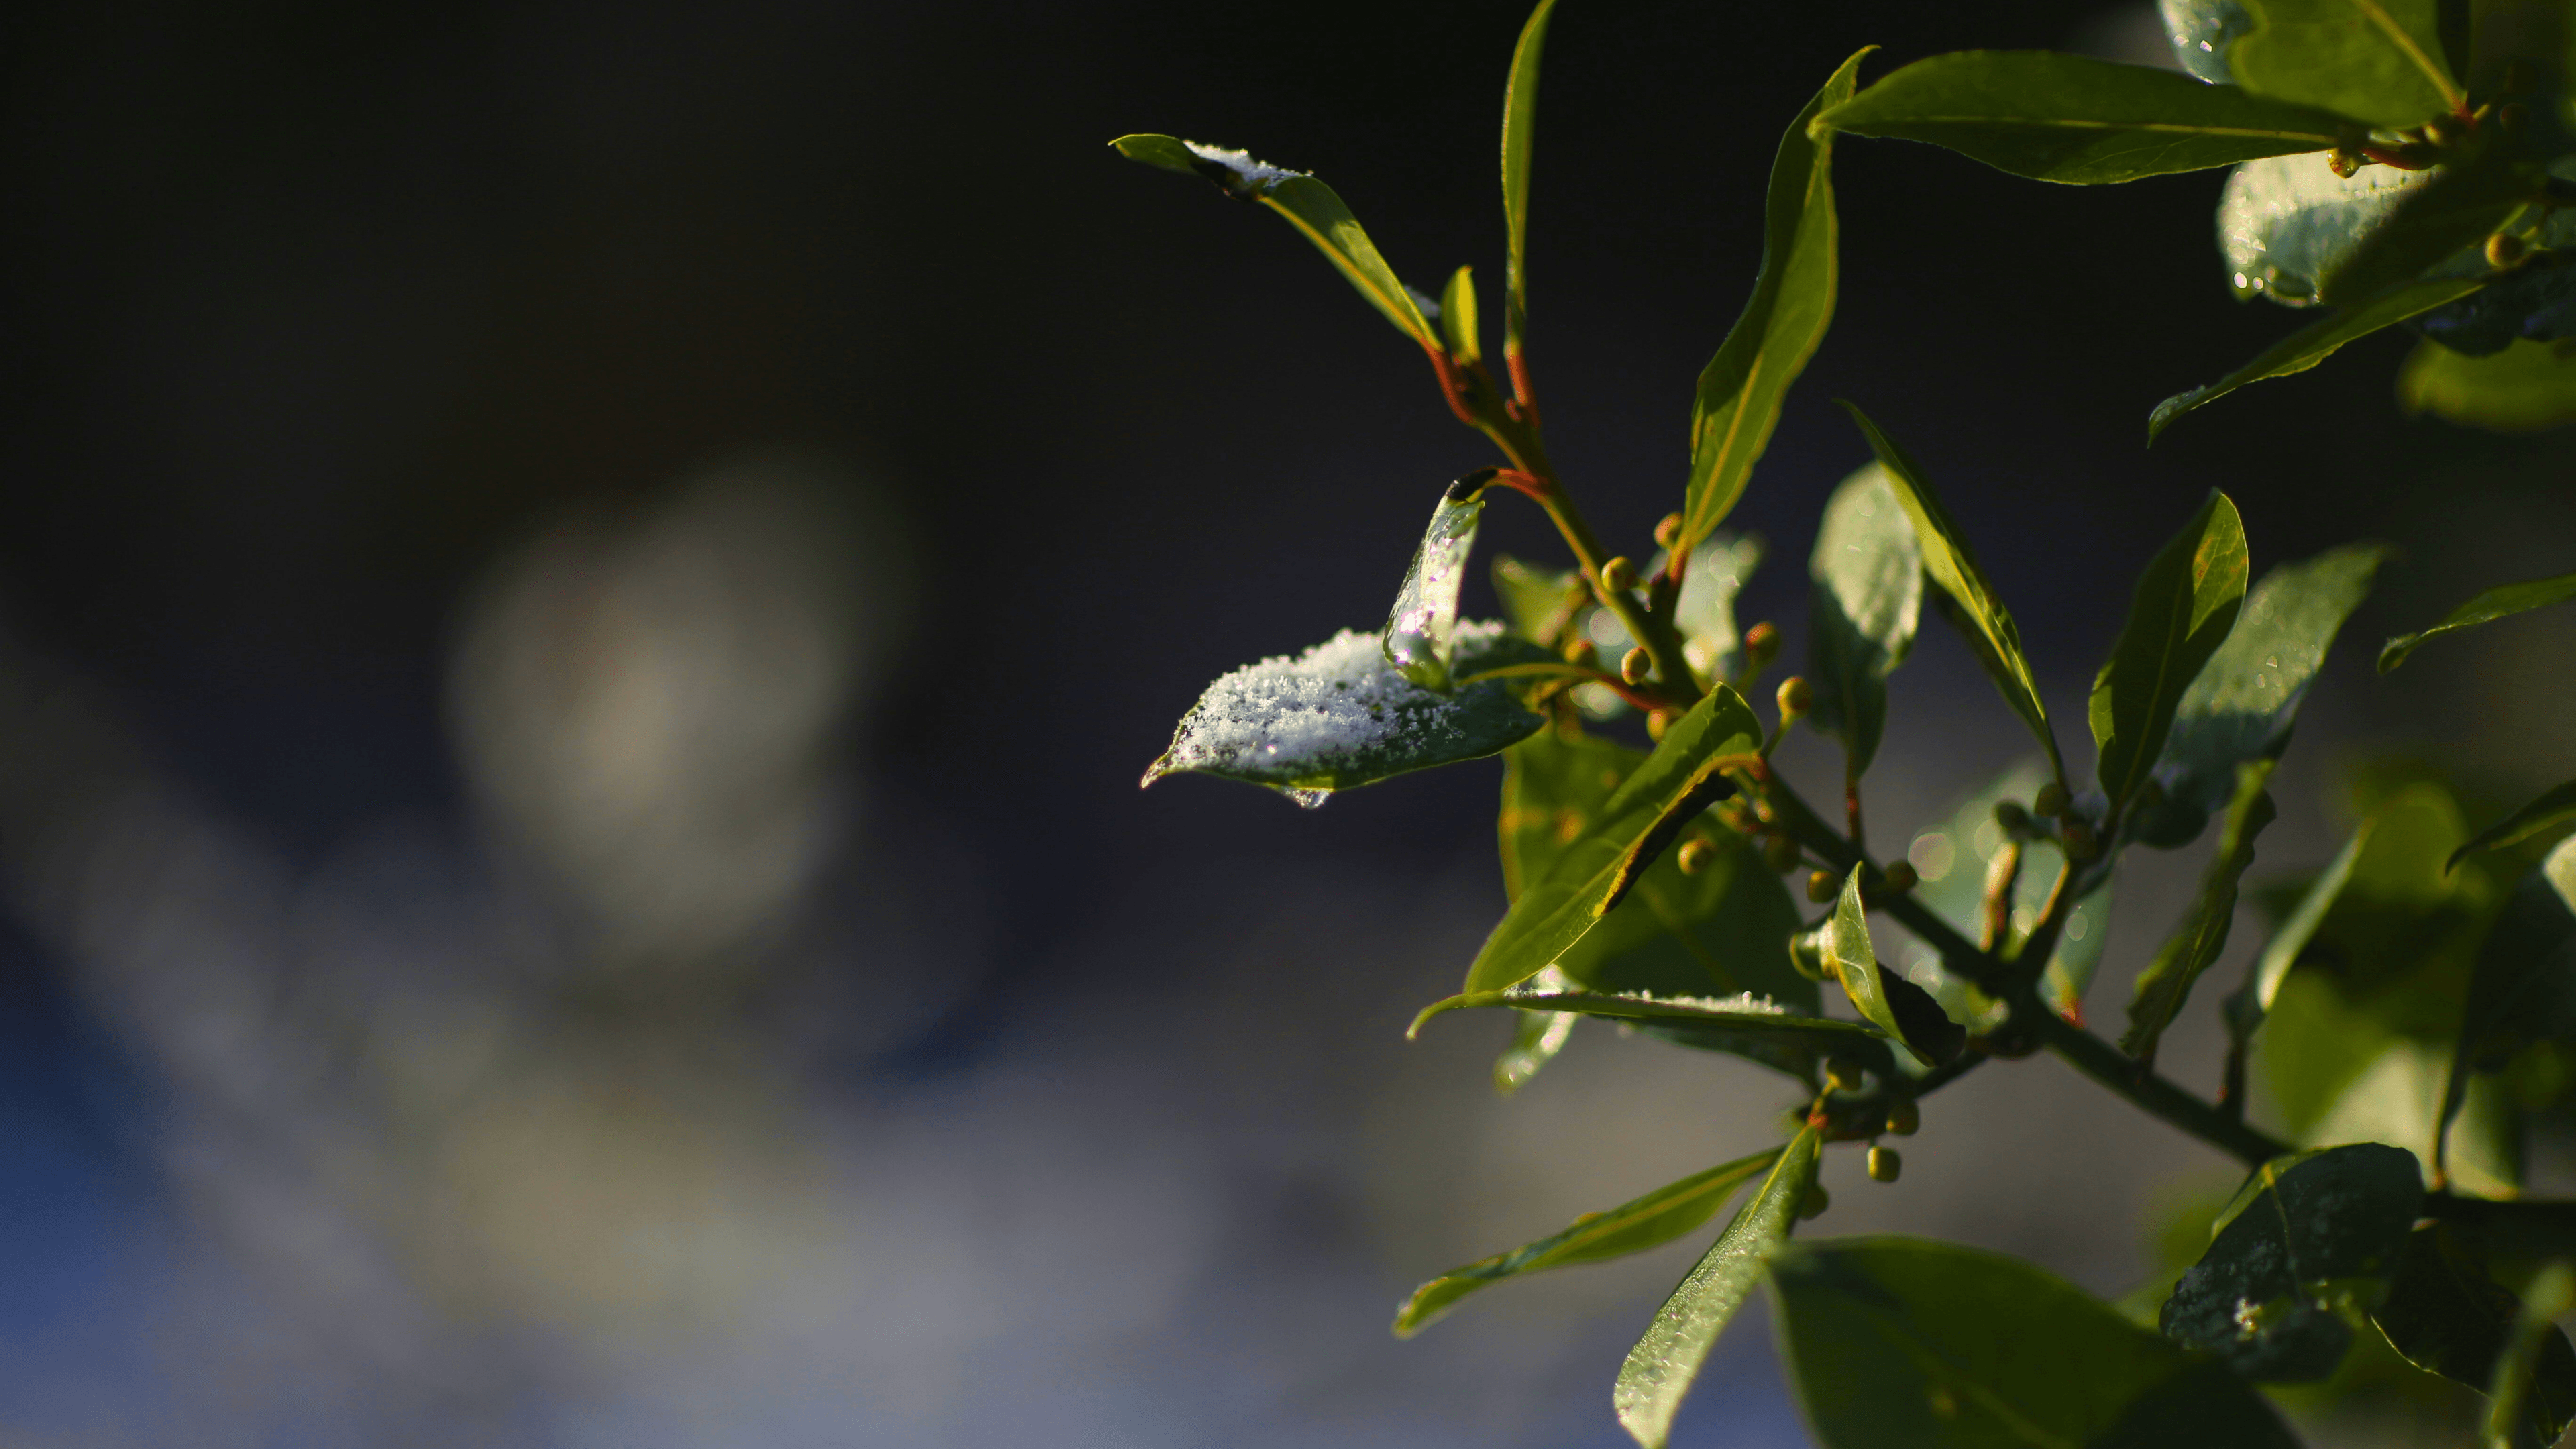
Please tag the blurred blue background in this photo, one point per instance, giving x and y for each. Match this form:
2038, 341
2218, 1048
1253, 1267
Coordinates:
584, 590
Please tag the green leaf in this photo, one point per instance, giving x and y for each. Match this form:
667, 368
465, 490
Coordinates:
2071, 119
1683, 776
2527, 388
1721, 930
2245, 699
1743, 387
1895, 1005
2305, 1248
2314, 343
2554, 806
1422, 628
2500, 602
2183, 606
2361, 1034
1338, 716
1309, 205
2078, 953
2201, 31
2523, 988
1539, 602
1868, 592
1537, 1039
1749, 1026
2468, 200
2378, 61
1704, 611
1458, 323
1631, 1227
2517, 1395
2252, 1002
1973, 607
1520, 129
1661, 1368
2168, 979
1898, 1341
2446, 1316
2286, 221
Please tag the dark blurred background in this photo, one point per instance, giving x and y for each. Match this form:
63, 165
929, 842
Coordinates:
584, 590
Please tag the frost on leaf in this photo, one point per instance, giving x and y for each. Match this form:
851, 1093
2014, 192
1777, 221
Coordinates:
1422, 629
1339, 716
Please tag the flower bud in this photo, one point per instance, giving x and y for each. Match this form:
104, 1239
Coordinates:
1843, 1075
1807, 954
2504, 249
1796, 697
1900, 877
1822, 887
1904, 1118
1884, 1164
2012, 817
1761, 642
1619, 575
1667, 530
1636, 665
2344, 162
1813, 1205
2051, 800
1696, 853
2445, 130
1658, 722
2083, 847
1780, 853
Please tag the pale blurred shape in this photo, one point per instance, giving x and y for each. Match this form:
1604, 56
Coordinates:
649, 705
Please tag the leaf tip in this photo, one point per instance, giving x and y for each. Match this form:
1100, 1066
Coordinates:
2394, 652
1446, 1003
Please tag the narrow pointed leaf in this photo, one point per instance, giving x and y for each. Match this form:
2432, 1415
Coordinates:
2184, 605
1666, 1361
2245, 699
2378, 61
1536, 1040
2309, 1244
1632, 1227
2167, 981
2553, 807
1458, 321
1866, 596
1721, 930
1520, 130
2252, 1001
1898, 1341
1973, 607
2500, 602
1749, 1026
2069, 118
2444, 1315
2314, 343
1308, 205
1742, 389
1683, 776
1339, 716
1422, 628
2516, 1396
2523, 987
1895, 1005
